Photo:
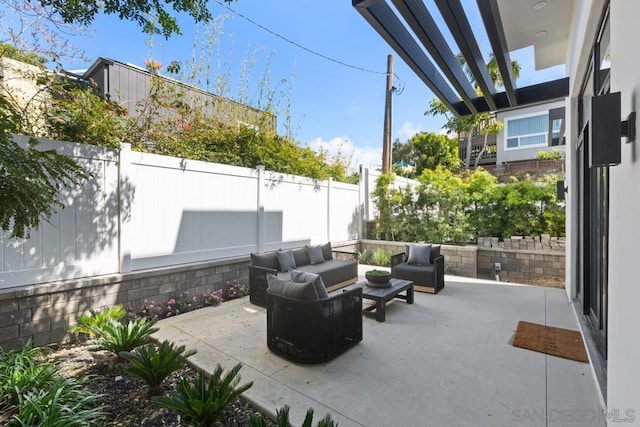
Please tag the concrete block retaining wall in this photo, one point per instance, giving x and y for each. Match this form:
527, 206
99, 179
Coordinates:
44, 312
517, 265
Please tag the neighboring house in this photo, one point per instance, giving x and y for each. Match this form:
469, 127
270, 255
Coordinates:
131, 87
525, 134
593, 39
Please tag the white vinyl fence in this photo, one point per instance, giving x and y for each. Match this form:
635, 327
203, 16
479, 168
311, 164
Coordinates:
141, 211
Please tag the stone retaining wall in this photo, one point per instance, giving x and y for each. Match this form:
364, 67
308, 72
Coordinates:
543, 266
541, 243
43, 313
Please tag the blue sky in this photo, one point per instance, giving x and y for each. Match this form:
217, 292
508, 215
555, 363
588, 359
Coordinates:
331, 105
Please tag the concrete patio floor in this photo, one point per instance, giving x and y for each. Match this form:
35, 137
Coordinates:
446, 360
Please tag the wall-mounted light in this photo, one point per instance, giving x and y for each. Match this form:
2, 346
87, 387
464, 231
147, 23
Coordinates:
606, 130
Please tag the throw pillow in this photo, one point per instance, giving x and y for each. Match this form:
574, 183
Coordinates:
327, 251
419, 254
303, 277
288, 288
315, 254
435, 253
286, 260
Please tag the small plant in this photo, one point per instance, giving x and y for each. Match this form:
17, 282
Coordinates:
213, 298
555, 154
97, 319
376, 272
381, 257
116, 336
153, 365
32, 393
282, 419
179, 304
203, 402
149, 310
235, 290
364, 257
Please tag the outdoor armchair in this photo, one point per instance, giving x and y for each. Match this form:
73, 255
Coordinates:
314, 331
427, 277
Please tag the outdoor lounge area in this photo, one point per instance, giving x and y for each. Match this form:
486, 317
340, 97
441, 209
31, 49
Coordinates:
441, 361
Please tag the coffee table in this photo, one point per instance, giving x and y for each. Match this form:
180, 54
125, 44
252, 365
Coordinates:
382, 295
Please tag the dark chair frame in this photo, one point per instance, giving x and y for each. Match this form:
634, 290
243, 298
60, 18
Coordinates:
425, 285
314, 331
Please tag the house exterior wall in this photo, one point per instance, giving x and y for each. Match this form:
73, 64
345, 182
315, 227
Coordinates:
517, 154
131, 87
623, 369
623, 347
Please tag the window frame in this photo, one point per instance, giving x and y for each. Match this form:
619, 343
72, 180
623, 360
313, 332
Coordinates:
525, 147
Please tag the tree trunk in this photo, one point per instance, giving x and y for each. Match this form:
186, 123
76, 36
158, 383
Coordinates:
467, 161
484, 148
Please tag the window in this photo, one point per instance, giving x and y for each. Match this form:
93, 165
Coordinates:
528, 131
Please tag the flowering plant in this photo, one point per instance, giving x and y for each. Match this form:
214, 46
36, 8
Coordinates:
212, 298
181, 303
235, 290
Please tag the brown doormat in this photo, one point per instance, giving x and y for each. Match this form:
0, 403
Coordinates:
550, 340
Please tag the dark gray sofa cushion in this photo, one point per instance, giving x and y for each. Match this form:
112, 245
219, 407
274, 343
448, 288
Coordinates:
315, 254
266, 260
419, 254
424, 275
327, 251
291, 289
299, 276
301, 256
333, 271
286, 259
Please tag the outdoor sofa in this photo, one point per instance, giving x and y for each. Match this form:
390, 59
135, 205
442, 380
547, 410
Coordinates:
422, 264
336, 268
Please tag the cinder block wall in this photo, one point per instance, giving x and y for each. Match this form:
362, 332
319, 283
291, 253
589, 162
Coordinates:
43, 313
522, 265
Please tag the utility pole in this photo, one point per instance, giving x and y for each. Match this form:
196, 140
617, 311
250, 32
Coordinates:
386, 137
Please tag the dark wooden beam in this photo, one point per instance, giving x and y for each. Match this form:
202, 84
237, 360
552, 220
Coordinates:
456, 19
380, 16
417, 16
535, 94
495, 31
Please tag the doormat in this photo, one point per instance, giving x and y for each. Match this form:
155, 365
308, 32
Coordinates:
550, 340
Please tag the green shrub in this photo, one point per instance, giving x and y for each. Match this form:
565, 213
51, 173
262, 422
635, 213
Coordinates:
33, 394
116, 336
381, 257
364, 256
555, 154
153, 365
63, 402
282, 419
203, 402
97, 319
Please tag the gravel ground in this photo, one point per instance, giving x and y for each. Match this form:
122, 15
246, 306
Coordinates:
125, 396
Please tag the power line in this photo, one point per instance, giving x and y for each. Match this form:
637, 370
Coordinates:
313, 52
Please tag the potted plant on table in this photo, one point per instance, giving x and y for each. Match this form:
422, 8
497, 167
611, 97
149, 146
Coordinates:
378, 278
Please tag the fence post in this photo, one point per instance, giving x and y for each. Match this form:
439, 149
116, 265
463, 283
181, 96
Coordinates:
124, 211
260, 210
329, 186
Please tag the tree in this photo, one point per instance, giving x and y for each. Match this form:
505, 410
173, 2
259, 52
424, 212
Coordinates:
151, 15
433, 150
30, 179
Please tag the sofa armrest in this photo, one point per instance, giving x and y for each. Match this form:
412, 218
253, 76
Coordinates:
397, 259
345, 256
258, 284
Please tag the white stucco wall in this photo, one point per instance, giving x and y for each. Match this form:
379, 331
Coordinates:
623, 376
516, 154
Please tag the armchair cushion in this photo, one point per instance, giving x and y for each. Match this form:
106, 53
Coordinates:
419, 254
303, 277
288, 288
315, 254
327, 252
286, 260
